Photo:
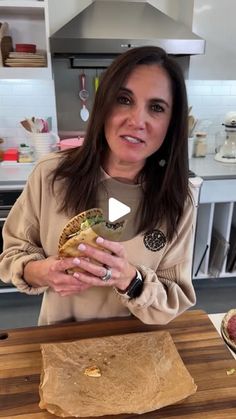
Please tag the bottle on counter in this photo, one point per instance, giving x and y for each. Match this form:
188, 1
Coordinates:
200, 144
25, 154
1, 149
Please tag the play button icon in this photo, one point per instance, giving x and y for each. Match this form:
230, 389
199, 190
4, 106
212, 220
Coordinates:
120, 203
117, 209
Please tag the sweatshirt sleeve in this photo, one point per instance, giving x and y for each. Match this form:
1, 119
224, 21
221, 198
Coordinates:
169, 291
21, 238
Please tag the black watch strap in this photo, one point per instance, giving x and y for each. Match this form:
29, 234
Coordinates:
135, 287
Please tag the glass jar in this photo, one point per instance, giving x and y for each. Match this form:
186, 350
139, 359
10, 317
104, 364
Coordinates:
200, 144
25, 154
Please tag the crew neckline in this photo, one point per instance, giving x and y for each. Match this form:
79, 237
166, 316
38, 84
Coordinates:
107, 176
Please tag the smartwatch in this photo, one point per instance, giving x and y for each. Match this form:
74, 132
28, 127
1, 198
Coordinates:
135, 287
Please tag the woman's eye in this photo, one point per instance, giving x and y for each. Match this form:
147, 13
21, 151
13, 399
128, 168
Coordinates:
155, 107
123, 100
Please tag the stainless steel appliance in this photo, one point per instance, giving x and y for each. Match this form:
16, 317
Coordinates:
89, 42
111, 27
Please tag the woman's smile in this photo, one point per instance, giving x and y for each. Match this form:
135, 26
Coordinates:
131, 139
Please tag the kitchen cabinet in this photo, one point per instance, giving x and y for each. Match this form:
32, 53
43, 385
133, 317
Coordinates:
28, 23
214, 21
216, 219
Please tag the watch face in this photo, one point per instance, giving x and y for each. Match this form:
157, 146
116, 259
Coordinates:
135, 288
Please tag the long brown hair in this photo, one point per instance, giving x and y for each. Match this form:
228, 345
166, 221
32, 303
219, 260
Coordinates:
164, 176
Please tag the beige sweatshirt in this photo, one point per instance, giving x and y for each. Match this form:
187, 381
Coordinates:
32, 231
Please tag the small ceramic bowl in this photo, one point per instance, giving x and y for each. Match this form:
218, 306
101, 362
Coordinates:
70, 143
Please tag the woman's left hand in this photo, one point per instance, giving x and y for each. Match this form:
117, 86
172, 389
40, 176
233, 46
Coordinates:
122, 272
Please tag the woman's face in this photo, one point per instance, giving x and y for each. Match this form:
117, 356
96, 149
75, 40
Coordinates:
139, 120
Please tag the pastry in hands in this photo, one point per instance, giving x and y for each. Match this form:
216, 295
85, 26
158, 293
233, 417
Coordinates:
85, 228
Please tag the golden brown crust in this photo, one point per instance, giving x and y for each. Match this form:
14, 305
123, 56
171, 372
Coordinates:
68, 246
92, 371
74, 224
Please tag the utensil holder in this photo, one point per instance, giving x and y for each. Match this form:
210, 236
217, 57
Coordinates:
43, 143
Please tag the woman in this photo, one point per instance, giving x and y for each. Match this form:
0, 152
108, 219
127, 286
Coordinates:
137, 142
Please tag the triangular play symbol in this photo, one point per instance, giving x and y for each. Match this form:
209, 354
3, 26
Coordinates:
116, 209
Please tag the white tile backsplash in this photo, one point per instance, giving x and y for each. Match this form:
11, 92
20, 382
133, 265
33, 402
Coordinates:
210, 101
220, 90
233, 89
196, 90
216, 97
20, 99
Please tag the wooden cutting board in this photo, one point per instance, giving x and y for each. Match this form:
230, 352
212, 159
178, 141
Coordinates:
203, 351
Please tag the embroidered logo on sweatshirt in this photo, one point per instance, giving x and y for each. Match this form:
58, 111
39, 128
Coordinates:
154, 240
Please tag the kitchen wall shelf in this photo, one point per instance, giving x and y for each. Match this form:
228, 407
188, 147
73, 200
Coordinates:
25, 73
215, 230
21, 6
28, 23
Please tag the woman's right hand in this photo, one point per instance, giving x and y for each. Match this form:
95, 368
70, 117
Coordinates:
51, 272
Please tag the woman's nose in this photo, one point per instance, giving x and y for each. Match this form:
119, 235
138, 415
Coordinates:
137, 117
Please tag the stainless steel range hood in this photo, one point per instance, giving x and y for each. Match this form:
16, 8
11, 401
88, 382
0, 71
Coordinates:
115, 26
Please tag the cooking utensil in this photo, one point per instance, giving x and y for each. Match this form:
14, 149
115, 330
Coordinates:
31, 124
39, 125
96, 82
26, 125
192, 122
45, 126
83, 93
84, 113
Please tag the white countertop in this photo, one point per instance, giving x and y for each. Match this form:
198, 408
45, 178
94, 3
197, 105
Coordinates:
216, 320
14, 175
208, 168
